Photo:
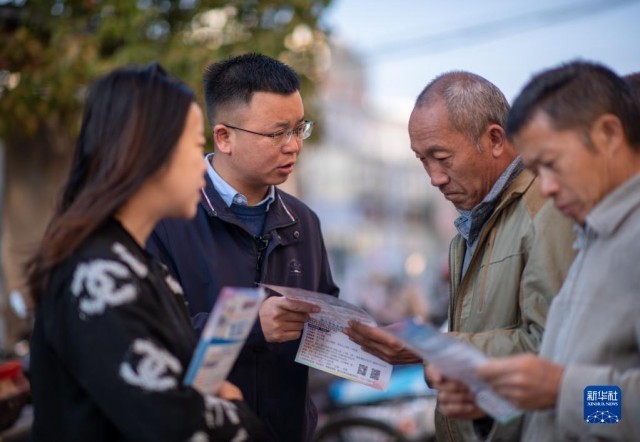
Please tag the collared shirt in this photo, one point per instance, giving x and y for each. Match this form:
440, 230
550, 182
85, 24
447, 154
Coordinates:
602, 222
593, 326
470, 222
231, 195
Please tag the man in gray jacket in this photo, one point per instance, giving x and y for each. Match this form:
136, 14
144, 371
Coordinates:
577, 127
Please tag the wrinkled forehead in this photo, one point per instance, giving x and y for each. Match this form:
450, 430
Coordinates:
431, 133
428, 121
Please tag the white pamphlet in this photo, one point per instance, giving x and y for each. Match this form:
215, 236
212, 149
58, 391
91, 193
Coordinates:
223, 336
325, 347
454, 359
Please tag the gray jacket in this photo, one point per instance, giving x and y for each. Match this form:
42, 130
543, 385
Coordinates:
593, 328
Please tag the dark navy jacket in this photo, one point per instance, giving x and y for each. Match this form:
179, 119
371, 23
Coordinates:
214, 250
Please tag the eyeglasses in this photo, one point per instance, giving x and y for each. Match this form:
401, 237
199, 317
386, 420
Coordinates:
282, 138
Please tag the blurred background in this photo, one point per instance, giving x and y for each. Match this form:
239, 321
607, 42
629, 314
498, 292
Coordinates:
387, 229
362, 64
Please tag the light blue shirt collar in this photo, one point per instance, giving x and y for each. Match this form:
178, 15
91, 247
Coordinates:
231, 195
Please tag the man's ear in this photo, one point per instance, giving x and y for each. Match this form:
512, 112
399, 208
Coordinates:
222, 138
607, 133
497, 140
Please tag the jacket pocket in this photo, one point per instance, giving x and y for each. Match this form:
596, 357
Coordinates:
498, 292
484, 273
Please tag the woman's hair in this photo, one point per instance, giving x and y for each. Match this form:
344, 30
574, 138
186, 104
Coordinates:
133, 119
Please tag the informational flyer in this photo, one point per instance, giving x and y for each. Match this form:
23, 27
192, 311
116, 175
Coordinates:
223, 336
456, 360
325, 347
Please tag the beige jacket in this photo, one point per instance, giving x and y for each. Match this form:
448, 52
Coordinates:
500, 306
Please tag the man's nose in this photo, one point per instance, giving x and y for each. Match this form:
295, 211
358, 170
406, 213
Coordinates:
548, 184
438, 178
293, 146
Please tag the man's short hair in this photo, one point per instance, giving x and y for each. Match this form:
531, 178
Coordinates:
233, 81
634, 81
472, 102
573, 96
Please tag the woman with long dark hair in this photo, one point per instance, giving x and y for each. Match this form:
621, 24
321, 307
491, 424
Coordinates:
112, 337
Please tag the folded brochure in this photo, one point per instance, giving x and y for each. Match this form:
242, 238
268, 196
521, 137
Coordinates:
455, 360
223, 336
325, 347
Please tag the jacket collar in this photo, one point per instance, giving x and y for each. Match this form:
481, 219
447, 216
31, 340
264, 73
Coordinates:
226, 190
457, 248
607, 216
279, 214
516, 189
470, 222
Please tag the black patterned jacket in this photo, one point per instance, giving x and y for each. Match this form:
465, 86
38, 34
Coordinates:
111, 344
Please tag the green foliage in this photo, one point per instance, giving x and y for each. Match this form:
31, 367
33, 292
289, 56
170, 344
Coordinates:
51, 50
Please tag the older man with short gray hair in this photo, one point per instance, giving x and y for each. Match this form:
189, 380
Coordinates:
513, 248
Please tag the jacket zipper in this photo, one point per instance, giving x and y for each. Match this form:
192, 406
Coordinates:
489, 224
453, 284
263, 243
483, 285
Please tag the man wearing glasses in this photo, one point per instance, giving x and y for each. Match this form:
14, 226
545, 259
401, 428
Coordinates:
247, 231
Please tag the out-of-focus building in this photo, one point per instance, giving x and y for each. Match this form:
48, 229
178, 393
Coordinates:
385, 226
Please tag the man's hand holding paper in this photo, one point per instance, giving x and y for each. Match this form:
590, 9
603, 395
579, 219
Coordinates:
376, 341
458, 362
455, 400
324, 345
283, 319
528, 381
